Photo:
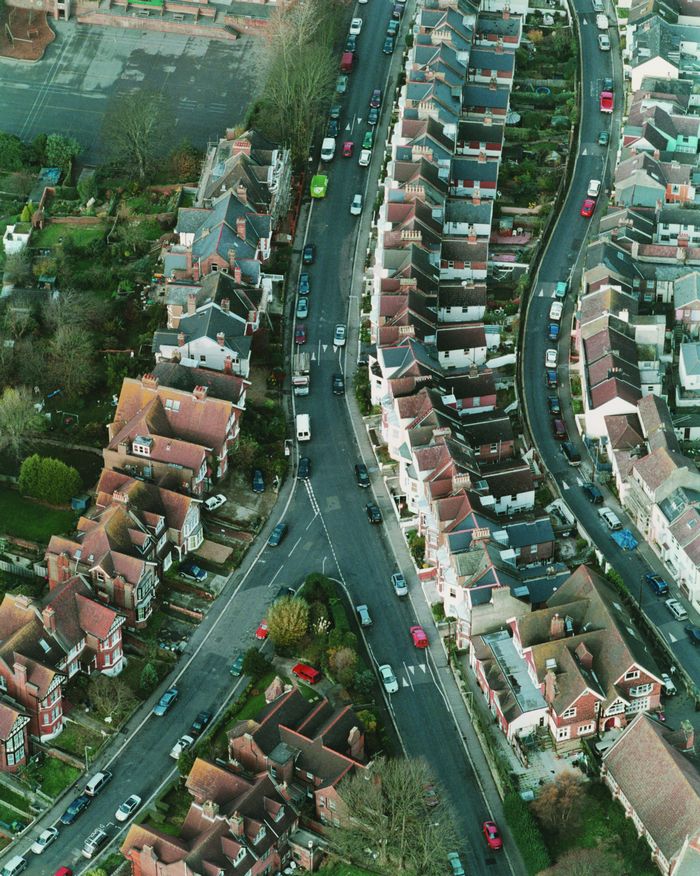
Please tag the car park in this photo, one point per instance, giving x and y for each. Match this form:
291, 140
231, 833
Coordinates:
588, 208
277, 535
361, 475
365, 158
258, 481
388, 46
398, 582
603, 138
669, 687
347, 148
373, 117
214, 502
300, 334
76, 808
375, 100
492, 835
657, 584
418, 636
184, 743
302, 311
593, 188
304, 469
200, 723
356, 26
691, 631
128, 807
192, 572
593, 494
364, 615
44, 840
338, 384
304, 287
236, 667
374, 515
339, 335
165, 703
97, 782
309, 254
356, 205
550, 359
386, 673
261, 632
553, 404
678, 611
94, 843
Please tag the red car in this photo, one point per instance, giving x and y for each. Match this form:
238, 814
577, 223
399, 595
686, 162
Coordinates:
261, 632
300, 334
588, 208
491, 835
347, 148
63, 871
420, 640
607, 101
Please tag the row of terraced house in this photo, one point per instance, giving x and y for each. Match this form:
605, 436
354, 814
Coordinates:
168, 445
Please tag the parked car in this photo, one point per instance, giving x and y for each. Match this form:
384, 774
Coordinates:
236, 668
693, 633
97, 840
368, 140
373, 117
559, 430
97, 782
553, 404
587, 208
44, 840
336, 111
258, 481
183, 744
398, 582
593, 494
392, 28
340, 335
304, 284
388, 678
200, 723
678, 611
356, 26
374, 515
300, 334
332, 128
361, 475
604, 42
304, 469
338, 384
375, 100
302, 308
192, 572
261, 632
669, 687
76, 808
491, 835
306, 673
455, 863
309, 254
351, 43
364, 615
215, 502
657, 584
603, 138
365, 158
14, 866
418, 636
348, 146
356, 205
341, 84
550, 359
277, 534
593, 188
63, 871
388, 47
128, 807
166, 701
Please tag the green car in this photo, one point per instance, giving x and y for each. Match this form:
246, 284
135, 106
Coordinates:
237, 665
368, 139
319, 185
603, 138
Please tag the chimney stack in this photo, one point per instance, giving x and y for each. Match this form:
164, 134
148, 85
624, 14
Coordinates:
237, 274
191, 304
226, 305
237, 824
240, 227
220, 339
149, 381
48, 617
200, 392
181, 339
228, 365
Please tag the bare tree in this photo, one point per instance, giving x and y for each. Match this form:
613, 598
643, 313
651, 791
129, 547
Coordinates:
288, 621
588, 862
19, 422
386, 824
18, 268
343, 662
111, 697
71, 359
560, 801
135, 129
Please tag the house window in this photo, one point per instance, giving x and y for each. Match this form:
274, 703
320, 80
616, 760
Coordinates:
570, 713
562, 733
494, 448
331, 805
239, 858
321, 802
641, 690
310, 776
586, 728
447, 354
15, 748
640, 705
260, 835
336, 822
202, 358
632, 674
3, 683
453, 593
476, 401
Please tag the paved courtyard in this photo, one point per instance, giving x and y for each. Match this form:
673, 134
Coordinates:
209, 84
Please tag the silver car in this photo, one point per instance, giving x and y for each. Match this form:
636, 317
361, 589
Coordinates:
389, 681
364, 615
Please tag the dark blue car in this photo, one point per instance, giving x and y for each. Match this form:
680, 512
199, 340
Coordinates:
657, 584
76, 808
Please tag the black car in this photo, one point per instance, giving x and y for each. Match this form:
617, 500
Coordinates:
332, 128
608, 84
554, 406
309, 254
338, 384
76, 808
351, 43
361, 475
200, 723
375, 100
304, 470
373, 117
336, 110
693, 634
374, 515
388, 45
277, 534
593, 494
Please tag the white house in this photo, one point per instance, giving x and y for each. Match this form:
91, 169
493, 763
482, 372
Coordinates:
16, 238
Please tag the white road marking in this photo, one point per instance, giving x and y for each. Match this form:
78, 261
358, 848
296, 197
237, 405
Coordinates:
275, 576
311, 521
296, 544
564, 485
409, 677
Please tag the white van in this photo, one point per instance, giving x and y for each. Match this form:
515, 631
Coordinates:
676, 609
303, 427
611, 520
97, 783
14, 866
601, 22
327, 149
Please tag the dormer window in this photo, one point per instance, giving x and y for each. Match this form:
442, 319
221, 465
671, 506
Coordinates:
280, 812
239, 857
262, 833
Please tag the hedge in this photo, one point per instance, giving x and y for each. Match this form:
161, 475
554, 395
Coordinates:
527, 833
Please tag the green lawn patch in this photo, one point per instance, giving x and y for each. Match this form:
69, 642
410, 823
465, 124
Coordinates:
255, 703
27, 519
55, 776
54, 234
75, 737
9, 815
7, 795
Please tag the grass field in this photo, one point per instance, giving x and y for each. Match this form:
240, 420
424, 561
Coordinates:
27, 519
53, 234
56, 776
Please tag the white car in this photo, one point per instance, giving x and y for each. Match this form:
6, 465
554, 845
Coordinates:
364, 615
128, 807
669, 687
365, 158
356, 206
550, 359
594, 188
355, 26
44, 840
389, 681
182, 744
604, 42
339, 335
215, 502
555, 311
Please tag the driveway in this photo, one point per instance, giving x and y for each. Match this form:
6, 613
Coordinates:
209, 84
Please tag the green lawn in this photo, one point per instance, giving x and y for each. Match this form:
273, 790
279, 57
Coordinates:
75, 737
55, 776
80, 234
27, 519
7, 795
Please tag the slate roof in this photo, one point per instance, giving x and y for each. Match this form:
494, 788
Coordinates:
215, 229
77, 613
228, 387
686, 289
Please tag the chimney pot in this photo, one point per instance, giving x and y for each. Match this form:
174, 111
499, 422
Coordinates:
220, 338
226, 305
181, 339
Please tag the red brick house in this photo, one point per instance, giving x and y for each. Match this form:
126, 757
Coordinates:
578, 670
310, 747
14, 737
235, 826
652, 770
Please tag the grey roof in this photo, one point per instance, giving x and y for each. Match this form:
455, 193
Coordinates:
488, 23
473, 131
483, 58
227, 387
527, 532
679, 216
690, 357
464, 210
473, 169
216, 232
208, 321
475, 94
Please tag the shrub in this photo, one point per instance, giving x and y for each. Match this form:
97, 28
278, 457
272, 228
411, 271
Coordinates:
340, 621
255, 664
288, 621
527, 833
317, 588
149, 678
438, 610
48, 479
363, 684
